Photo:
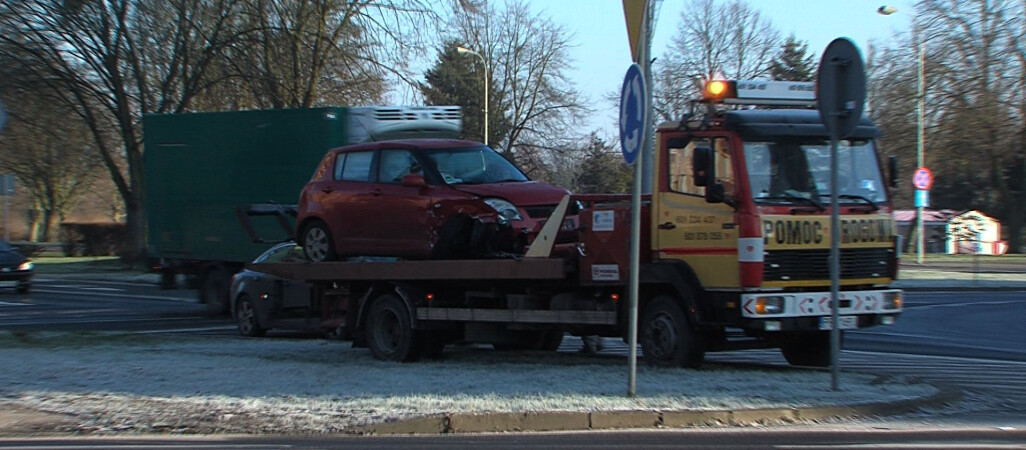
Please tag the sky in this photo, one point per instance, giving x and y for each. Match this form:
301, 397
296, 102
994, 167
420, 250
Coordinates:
602, 54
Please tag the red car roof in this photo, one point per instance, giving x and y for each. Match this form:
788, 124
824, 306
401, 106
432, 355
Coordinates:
409, 143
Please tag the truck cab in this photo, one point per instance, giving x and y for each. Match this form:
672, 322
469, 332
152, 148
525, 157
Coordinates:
742, 197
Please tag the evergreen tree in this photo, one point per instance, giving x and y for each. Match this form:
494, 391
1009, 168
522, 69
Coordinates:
603, 170
458, 79
792, 64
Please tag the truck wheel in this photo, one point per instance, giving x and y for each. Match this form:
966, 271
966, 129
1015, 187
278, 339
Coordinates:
390, 335
807, 349
23, 287
246, 318
317, 242
667, 338
551, 340
214, 291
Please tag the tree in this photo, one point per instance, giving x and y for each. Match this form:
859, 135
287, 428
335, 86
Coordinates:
975, 97
458, 79
603, 170
51, 157
791, 64
714, 40
110, 61
528, 58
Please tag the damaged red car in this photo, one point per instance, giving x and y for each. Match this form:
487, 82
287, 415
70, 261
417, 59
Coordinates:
420, 199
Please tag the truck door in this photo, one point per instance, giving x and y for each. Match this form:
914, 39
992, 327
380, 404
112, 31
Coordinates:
686, 226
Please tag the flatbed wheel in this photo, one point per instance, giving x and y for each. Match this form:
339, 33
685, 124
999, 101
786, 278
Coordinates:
390, 336
667, 338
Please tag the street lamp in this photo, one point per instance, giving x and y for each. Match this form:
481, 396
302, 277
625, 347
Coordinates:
486, 83
921, 112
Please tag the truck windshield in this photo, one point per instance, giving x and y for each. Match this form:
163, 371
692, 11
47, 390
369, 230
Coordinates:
473, 165
796, 171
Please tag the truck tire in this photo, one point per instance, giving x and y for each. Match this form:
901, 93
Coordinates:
214, 291
667, 339
246, 318
318, 244
807, 349
551, 340
390, 335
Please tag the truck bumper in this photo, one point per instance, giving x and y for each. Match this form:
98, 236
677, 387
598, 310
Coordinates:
807, 311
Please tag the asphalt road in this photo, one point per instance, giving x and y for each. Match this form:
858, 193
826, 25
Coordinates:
971, 339
80, 305
978, 324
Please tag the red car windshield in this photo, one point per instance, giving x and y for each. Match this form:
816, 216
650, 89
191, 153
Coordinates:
473, 165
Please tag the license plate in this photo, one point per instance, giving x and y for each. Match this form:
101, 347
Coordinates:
844, 323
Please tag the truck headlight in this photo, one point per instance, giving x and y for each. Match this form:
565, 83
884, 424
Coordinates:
892, 300
506, 210
769, 305
27, 265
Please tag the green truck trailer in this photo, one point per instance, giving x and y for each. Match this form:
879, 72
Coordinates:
200, 168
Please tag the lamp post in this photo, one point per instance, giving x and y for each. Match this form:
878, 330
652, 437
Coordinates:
920, 135
486, 83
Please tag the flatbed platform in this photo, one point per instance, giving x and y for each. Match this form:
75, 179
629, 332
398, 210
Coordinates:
476, 269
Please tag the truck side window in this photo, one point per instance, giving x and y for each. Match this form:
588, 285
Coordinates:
724, 168
394, 164
681, 176
357, 166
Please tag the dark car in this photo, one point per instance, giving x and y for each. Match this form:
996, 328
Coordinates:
261, 302
420, 199
15, 268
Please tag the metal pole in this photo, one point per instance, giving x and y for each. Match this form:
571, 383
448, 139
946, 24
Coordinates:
487, 81
7, 229
920, 160
835, 267
635, 249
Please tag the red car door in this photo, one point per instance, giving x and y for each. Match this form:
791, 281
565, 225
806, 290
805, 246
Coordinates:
401, 214
345, 200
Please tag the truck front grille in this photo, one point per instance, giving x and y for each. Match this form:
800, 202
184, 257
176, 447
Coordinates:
789, 265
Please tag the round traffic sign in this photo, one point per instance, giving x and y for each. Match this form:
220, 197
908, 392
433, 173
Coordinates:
841, 87
922, 179
633, 113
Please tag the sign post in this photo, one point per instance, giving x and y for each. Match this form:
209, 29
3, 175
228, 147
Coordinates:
841, 86
922, 179
634, 140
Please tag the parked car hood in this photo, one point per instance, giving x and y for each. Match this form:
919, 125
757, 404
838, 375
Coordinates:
11, 258
529, 193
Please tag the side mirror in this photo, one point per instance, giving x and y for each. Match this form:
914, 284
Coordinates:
892, 171
702, 166
414, 180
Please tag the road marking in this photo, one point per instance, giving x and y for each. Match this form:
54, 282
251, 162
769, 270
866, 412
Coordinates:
131, 296
188, 330
13, 304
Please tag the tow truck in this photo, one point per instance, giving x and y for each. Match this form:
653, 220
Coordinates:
735, 243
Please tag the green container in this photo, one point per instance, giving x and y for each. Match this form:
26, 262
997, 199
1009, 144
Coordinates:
200, 167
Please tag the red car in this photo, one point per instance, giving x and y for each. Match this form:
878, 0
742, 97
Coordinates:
420, 199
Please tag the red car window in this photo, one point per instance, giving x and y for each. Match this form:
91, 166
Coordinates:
358, 166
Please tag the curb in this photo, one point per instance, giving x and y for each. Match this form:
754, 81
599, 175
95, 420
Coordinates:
451, 423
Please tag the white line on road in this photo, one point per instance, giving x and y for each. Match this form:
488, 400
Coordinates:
13, 304
108, 294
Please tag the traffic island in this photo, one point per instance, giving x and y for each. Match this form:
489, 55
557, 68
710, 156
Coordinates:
600, 420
